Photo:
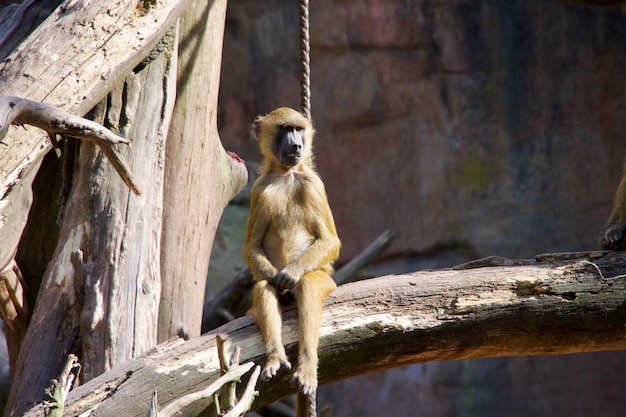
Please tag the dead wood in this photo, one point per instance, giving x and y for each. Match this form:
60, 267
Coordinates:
86, 303
559, 306
101, 42
193, 201
21, 111
60, 388
83, 52
100, 45
231, 373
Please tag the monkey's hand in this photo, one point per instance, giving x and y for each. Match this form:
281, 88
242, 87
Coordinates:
284, 280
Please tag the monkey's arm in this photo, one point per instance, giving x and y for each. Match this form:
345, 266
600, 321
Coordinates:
320, 254
253, 252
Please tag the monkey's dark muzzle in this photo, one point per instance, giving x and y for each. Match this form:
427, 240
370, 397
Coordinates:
291, 159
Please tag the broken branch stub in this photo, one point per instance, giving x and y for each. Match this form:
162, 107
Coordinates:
16, 110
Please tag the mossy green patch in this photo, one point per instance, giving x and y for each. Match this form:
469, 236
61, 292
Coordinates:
474, 175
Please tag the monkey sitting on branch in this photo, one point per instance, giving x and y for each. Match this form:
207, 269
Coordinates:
291, 242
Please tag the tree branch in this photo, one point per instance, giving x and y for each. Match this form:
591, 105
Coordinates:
59, 389
555, 306
176, 407
16, 110
101, 45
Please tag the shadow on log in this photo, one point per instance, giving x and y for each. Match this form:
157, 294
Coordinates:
555, 304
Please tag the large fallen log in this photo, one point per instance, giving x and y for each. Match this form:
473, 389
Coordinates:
554, 304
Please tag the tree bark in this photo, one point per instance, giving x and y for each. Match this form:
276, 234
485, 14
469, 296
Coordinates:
74, 58
555, 305
194, 201
100, 294
14, 308
18, 20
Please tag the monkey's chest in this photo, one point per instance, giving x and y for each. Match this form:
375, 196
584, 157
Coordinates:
285, 245
290, 225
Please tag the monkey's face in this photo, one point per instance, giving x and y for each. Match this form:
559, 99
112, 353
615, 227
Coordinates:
290, 144
285, 136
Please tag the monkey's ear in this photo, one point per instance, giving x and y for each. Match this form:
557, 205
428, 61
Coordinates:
256, 128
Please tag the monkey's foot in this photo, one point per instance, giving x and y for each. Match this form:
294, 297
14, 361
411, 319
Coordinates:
614, 237
273, 364
305, 378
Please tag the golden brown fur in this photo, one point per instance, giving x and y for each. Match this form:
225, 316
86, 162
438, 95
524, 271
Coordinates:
614, 234
291, 241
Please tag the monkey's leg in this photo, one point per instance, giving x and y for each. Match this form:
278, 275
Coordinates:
311, 294
267, 315
613, 236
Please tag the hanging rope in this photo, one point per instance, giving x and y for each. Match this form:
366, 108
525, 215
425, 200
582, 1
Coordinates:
305, 103
305, 59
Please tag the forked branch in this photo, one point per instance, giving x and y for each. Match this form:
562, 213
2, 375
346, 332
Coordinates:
20, 111
232, 372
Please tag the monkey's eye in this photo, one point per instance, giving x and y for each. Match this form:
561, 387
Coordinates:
290, 128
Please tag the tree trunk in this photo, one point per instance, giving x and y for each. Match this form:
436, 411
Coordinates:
194, 201
557, 305
74, 58
100, 294
63, 62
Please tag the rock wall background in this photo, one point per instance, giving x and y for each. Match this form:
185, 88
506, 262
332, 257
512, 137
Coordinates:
467, 128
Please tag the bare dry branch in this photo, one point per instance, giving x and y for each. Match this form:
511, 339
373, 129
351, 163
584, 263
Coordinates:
246, 400
154, 406
13, 307
227, 361
60, 388
16, 110
234, 374
80, 68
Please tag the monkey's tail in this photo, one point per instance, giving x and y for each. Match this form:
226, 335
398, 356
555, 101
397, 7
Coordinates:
306, 405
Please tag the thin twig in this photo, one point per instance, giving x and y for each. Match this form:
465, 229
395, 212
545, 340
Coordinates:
59, 389
227, 362
586, 262
233, 375
248, 396
154, 406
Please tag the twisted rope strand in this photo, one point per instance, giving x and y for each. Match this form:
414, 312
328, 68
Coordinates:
313, 404
305, 102
305, 59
